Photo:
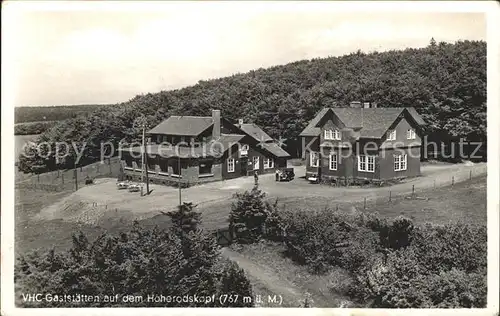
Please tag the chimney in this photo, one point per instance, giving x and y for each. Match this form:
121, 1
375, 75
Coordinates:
366, 105
216, 120
355, 104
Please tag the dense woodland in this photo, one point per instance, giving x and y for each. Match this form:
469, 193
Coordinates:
26, 114
445, 82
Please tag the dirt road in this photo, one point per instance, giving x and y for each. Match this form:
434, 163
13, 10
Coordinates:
104, 197
264, 280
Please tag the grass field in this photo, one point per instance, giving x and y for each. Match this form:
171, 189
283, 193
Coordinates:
464, 201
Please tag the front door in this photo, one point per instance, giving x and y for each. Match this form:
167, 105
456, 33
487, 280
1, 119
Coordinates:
256, 163
243, 165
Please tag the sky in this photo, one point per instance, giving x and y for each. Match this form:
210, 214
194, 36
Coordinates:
76, 56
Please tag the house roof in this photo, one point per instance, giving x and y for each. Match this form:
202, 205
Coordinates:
183, 125
275, 149
374, 122
255, 132
213, 149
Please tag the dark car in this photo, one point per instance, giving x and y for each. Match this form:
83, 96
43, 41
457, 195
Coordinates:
285, 174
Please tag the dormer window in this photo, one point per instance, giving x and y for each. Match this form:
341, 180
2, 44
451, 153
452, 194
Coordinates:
410, 134
391, 135
332, 134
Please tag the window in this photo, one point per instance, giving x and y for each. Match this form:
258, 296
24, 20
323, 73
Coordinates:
174, 163
366, 163
138, 162
410, 134
163, 165
205, 167
268, 163
400, 162
151, 163
230, 165
244, 150
333, 162
128, 161
332, 134
391, 135
256, 163
314, 159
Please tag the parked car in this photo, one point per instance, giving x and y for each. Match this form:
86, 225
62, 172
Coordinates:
134, 188
313, 178
123, 185
285, 174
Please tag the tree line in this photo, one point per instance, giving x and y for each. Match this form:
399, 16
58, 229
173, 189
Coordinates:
445, 82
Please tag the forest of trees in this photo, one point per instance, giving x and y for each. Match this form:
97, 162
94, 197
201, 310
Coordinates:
445, 82
26, 114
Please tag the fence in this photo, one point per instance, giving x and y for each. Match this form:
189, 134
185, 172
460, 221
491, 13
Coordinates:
61, 180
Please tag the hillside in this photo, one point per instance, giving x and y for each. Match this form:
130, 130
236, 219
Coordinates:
27, 114
445, 82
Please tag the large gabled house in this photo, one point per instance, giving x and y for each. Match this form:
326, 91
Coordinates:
196, 149
363, 142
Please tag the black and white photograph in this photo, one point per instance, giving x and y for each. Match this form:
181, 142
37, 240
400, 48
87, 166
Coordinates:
249, 154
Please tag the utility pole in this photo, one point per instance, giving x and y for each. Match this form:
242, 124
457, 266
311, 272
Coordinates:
146, 168
76, 178
180, 174
142, 160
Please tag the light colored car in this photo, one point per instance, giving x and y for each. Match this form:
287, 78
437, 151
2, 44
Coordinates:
134, 188
122, 185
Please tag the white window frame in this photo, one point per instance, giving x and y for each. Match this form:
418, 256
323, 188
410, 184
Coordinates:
230, 165
333, 163
328, 134
336, 134
400, 162
364, 163
391, 134
256, 162
410, 134
332, 134
312, 155
268, 163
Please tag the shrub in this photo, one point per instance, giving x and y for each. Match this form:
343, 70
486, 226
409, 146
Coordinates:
185, 218
139, 262
248, 215
455, 245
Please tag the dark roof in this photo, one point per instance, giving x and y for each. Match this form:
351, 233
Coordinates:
183, 125
374, 122
311, 129
213, 149
255, 132
275, 149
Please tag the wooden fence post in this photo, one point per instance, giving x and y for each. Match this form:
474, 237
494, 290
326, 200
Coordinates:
412, 190
452, 180
390, 195
364, 204
470, 175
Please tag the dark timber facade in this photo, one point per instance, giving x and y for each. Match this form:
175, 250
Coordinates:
363, 142
193, 149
